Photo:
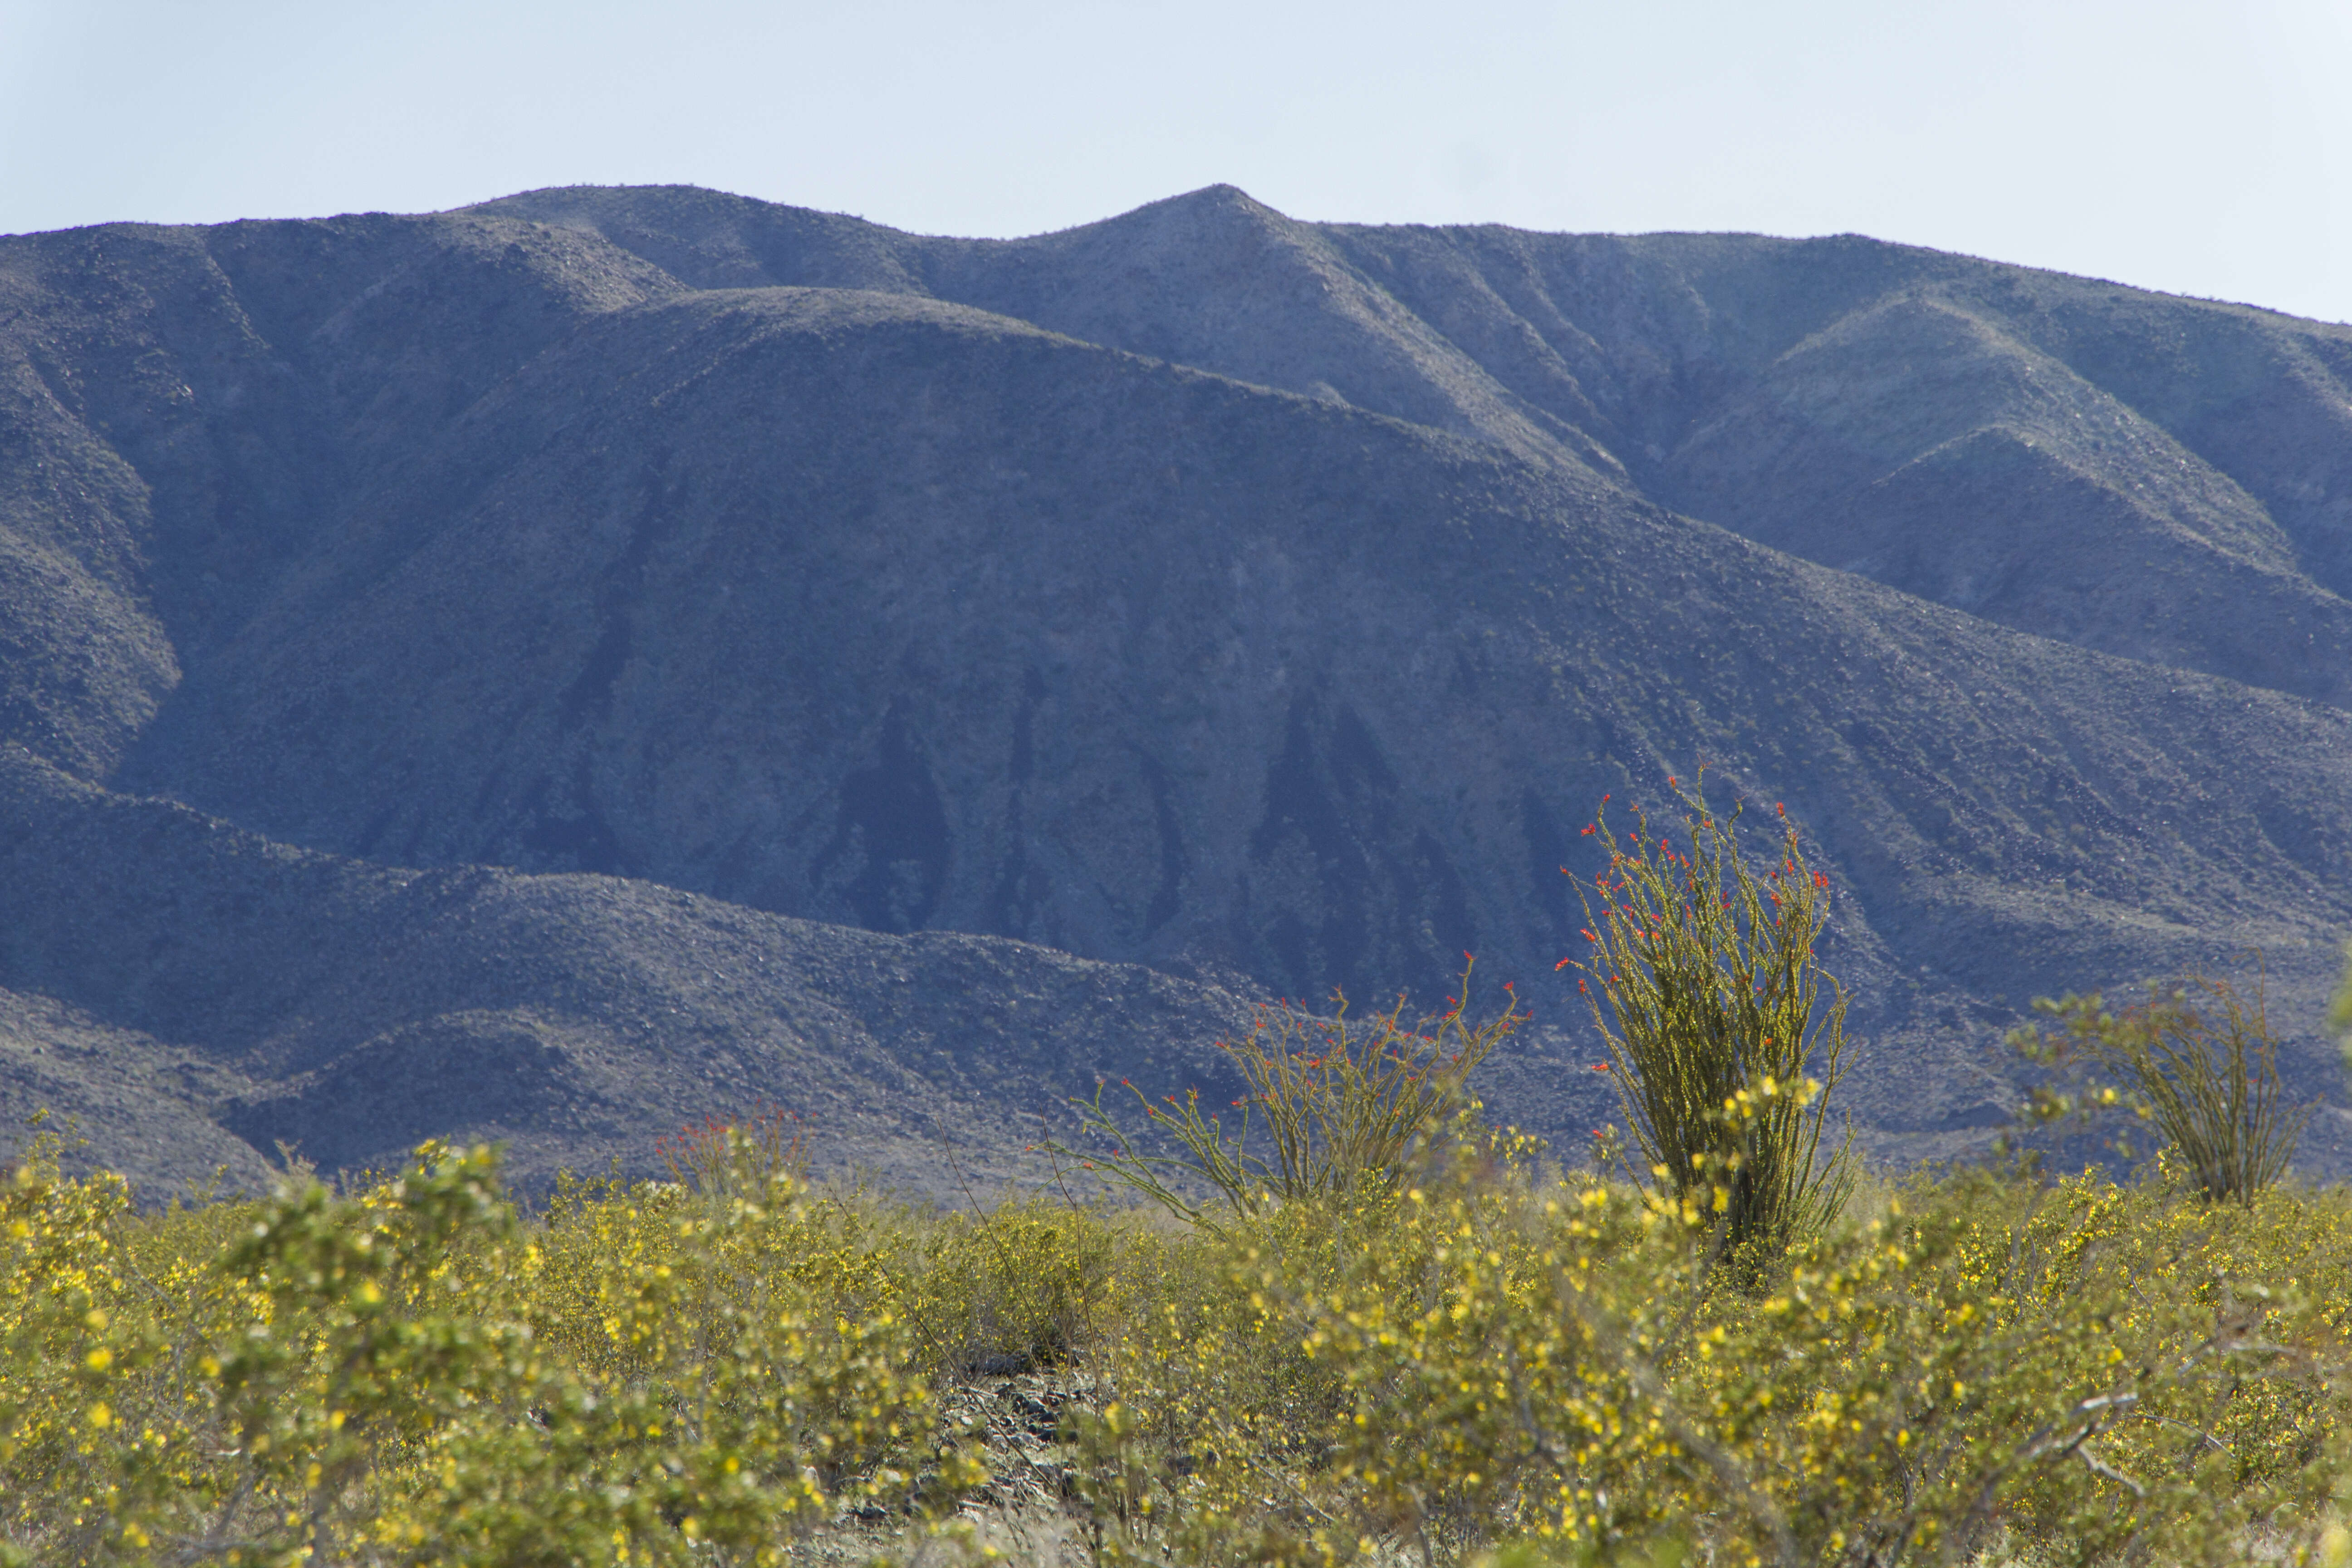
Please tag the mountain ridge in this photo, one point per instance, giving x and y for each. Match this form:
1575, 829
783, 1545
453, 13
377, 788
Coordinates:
1199, 589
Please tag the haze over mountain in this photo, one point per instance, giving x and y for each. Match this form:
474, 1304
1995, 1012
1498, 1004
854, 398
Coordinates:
834, 638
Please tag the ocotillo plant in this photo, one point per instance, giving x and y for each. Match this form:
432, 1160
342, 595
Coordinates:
1335, 1105
2197, 1059
1702, 976
2340, 1014
722, 1156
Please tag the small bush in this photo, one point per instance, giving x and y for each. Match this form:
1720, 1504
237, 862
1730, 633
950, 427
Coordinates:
2198, 1060
1702, 977
1339, 1107
727, 1157
1018, 1289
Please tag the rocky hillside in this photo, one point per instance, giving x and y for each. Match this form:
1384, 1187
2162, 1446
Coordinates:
660, 651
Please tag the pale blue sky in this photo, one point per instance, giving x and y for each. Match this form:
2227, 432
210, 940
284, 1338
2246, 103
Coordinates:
2201, 148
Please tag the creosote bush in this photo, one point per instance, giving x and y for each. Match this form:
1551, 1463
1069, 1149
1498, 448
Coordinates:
1458, 1354
410, 1374
1702, 976
1564, 1371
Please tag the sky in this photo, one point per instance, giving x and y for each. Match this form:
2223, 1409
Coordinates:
2201, 148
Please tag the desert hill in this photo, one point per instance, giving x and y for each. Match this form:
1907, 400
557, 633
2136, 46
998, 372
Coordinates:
2123, 454
196, 995
613, 621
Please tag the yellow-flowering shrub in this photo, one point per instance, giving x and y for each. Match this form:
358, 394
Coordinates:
1488, 1359
2108, 1373
409, 1375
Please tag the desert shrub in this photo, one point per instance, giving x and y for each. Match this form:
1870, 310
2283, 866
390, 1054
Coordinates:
722, 1156
2097, 1372
70, 1357
1702, 976
1014, 1290
360, 1380
1211, 1441
2075, 1366
1018, 1288
1489, 1359
1340, 1108
766, 1403
2198, 1060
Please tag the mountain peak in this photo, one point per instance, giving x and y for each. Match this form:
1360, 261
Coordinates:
616, 653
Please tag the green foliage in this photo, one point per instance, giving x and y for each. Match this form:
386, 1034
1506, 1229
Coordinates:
1702, 977
2198, 1061
1482, 1361
409, 1375
1564, 1372
1343, 1107
725, 1156
2339, 1016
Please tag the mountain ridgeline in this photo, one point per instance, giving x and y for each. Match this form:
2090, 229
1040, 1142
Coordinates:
609, 655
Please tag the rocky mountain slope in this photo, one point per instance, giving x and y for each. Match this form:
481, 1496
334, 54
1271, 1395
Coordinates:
1197, 604
196, 995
